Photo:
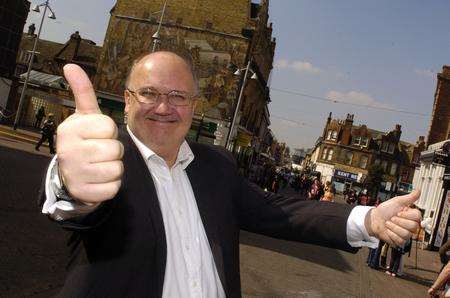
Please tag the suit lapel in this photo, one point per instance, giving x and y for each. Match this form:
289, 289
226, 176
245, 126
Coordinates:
138, 178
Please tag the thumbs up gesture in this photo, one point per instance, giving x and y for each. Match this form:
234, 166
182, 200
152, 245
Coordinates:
89, 154
394, 221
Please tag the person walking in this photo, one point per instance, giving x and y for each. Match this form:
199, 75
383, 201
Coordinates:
329, 192
47, 132
39, 116
396, 255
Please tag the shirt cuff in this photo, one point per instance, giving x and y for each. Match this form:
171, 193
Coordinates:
357, 235
59, 209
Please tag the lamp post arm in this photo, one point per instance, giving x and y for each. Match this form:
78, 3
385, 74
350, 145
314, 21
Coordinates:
155, 42
30, 65
236, 110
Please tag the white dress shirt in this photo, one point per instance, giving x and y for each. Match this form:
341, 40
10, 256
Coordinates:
190, 268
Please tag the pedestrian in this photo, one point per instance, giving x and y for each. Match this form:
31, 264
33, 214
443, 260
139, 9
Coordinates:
440, 287
373, 259
47, 133
155, 216
397, 253
443, 253
329, 192
40, 114
314, 191
383, 256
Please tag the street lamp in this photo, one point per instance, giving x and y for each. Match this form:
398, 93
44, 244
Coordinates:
156, 37
236, 110
30, 63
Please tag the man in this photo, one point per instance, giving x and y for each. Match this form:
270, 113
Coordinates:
39, 116
47, 133
154, 216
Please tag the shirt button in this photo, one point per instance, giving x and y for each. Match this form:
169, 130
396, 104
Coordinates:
187, 247
194, 284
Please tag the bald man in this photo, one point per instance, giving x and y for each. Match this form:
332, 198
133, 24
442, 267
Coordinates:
155, 216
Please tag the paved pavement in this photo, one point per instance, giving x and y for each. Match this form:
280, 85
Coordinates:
33, 250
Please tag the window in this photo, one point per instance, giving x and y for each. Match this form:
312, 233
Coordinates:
384, 165
357, 140
330, 154
324, 153
329, 134
348, 158
364, 141
385, 147
334, 135
377, 161
391, 148
393, 169
363, 162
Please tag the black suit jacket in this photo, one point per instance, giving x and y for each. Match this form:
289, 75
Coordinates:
119, 250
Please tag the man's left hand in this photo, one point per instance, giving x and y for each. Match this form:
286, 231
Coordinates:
394, 221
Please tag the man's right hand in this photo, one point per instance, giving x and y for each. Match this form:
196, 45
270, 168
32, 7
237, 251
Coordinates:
89, 154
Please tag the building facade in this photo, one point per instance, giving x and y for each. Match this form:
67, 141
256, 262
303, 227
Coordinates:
439, 129
345, 152
214, 35
13, 15
47, 87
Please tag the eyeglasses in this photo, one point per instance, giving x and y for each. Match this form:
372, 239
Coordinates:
148, 95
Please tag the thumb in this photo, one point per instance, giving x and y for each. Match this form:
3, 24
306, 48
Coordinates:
408, 199
83, 92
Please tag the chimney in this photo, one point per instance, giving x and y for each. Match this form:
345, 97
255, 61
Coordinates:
349, 119
31, 29
326, 126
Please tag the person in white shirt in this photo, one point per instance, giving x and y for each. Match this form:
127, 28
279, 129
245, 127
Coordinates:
155, 216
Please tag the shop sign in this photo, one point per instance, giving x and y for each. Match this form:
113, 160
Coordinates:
346, 175
243, 139
443, 222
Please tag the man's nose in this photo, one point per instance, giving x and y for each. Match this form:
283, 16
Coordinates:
162, 106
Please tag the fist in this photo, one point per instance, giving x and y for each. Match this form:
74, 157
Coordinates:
89, 154
394, 221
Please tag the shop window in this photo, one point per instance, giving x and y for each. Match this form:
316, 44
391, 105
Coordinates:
363, 162
330, 154
324, 153
393, 169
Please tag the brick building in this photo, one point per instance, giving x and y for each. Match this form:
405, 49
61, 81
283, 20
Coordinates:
13, 15
344, 153
439, 129
214, 35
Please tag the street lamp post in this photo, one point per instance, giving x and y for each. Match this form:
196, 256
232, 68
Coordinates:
156, 37
30, 62
241, 92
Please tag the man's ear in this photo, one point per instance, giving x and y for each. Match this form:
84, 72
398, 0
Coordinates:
126, 96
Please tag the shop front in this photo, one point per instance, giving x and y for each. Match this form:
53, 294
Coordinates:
343, 180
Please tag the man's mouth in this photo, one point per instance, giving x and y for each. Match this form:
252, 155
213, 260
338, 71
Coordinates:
162, 120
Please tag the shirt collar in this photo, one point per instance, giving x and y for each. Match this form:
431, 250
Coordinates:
184, 157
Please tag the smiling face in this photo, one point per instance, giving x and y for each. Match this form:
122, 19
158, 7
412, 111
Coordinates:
160, 126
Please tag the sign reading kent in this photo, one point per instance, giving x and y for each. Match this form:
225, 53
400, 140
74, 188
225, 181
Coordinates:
346, 175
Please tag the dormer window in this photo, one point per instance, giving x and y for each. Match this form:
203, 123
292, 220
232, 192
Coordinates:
391, 148
364, 142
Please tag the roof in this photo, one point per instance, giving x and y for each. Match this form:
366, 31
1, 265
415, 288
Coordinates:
45, 79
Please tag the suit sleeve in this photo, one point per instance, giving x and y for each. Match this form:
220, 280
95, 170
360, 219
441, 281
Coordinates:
291, 218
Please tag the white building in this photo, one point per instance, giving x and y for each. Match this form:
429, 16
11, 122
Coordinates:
430, 178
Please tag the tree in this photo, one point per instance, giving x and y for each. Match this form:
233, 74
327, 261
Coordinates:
374, 179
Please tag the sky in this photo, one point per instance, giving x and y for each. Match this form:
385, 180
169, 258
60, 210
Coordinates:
382, 54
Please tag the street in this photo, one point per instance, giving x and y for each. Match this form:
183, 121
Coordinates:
34, 256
